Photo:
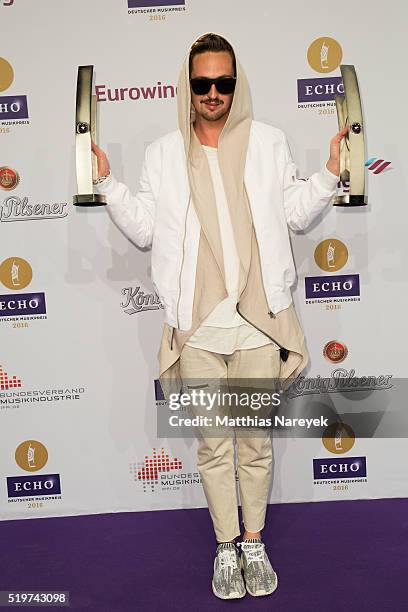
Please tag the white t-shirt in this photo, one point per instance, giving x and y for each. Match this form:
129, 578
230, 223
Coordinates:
224, 330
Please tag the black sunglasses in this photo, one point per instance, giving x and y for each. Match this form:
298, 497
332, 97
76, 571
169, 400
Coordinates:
202, 85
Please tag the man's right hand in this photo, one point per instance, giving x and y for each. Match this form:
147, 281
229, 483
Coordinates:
103, 163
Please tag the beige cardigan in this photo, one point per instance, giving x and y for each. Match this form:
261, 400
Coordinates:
283, 328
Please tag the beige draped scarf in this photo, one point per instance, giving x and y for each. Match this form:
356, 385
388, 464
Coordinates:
210, 288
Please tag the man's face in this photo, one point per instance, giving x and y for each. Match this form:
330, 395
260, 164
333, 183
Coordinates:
213, 105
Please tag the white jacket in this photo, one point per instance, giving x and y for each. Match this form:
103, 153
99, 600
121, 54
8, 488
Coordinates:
161, 215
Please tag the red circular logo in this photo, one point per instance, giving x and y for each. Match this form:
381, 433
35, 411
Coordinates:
335, 351
9, 178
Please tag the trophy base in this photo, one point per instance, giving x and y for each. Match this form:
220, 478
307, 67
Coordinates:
350, 200
92, 199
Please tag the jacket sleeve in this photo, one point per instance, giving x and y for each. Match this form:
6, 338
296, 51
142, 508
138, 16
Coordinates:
304, 199
133, 214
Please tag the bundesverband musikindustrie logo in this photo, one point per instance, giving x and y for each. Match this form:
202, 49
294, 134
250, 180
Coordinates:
15, 394
161, 472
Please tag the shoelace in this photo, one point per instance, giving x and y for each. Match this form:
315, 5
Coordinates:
228, 558
253, 551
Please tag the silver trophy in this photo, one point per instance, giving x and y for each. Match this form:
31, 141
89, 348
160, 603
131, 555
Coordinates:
352, 147
85, 130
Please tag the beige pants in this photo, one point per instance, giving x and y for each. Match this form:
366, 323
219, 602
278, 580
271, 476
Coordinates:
215, 457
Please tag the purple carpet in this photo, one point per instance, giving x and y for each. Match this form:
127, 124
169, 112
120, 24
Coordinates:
329, 556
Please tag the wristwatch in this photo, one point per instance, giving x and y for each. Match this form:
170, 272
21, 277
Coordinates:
101, 179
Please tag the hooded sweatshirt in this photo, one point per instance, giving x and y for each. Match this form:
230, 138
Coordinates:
210, 286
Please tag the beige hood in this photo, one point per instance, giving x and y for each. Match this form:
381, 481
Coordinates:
232, 149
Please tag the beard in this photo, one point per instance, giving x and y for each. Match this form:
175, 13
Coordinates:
212, 115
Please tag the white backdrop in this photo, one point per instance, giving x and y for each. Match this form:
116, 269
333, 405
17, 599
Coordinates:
92, 363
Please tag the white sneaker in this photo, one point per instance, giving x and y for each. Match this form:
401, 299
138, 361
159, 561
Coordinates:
260, 577
227, 582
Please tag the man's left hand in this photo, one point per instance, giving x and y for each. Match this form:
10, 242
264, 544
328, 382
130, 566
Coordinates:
333, 165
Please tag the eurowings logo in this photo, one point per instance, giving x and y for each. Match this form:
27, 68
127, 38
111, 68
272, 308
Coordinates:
376, 166
8, 383
148, 471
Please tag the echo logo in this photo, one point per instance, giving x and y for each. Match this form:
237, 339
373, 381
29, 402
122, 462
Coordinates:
344, 467
12, 106
16, 273
324, 54
333, 286
331, 254
338, 438
32, 456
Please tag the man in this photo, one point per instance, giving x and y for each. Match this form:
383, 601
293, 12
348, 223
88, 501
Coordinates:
215, 201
